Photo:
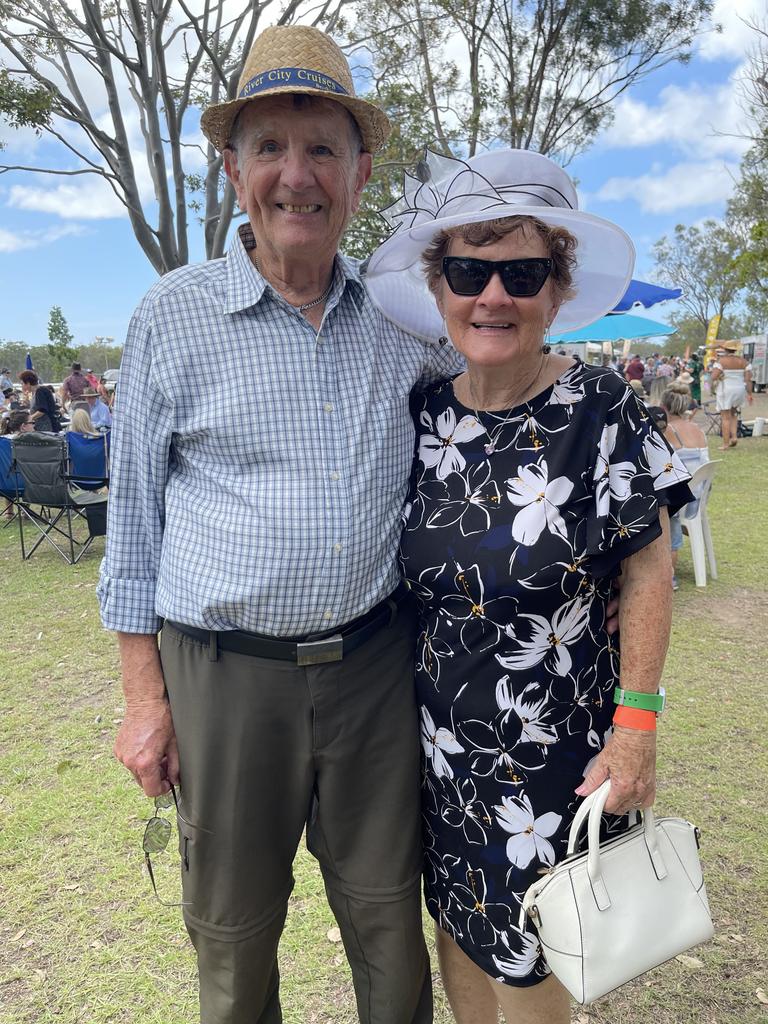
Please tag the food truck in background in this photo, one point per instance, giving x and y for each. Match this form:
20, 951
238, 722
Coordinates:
755, 349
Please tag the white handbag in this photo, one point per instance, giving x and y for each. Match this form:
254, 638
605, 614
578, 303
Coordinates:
611, 913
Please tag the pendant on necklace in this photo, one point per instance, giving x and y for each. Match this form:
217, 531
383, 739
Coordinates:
490, 448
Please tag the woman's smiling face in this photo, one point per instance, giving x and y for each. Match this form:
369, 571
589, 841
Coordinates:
494, 328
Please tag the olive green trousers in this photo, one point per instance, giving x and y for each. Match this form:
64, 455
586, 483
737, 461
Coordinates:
266, 750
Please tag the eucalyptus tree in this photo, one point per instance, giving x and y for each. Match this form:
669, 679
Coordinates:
125, 81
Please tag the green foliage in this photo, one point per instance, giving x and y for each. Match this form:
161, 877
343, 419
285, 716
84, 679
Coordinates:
700, 260
60, 349
58, 328
691, 333
23, 106
533, 75
97, 355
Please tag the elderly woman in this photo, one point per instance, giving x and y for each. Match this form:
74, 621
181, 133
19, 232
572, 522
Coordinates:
538, 480
731, 381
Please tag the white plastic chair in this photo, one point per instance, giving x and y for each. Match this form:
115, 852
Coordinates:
697, 526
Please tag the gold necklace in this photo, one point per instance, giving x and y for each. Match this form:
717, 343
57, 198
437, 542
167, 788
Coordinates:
304, 305
490, 447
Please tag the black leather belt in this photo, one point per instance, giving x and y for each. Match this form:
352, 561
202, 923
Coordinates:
314, 649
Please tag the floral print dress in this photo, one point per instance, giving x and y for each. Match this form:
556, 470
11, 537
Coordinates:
511, 555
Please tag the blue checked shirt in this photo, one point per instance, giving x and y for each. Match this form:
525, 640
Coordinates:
272, 502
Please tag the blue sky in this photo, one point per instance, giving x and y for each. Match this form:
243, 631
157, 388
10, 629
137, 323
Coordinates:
661, 163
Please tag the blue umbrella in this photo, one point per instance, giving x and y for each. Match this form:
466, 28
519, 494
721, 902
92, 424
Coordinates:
643, 294
616, 327
29, 361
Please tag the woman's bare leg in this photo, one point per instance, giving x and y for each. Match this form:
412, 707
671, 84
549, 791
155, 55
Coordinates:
467, 986
545, 1003
476, 998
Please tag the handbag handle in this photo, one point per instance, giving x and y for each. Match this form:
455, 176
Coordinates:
592, 809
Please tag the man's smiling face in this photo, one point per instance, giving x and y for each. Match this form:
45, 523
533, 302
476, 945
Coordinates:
298, 174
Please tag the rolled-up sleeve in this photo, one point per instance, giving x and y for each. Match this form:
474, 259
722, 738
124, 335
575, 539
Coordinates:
141, 441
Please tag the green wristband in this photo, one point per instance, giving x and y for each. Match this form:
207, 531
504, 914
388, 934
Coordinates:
643, 701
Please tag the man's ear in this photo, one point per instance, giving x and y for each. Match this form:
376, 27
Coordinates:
233, 173
362, 174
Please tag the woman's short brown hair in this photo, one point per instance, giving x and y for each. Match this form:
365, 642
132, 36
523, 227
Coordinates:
29, 377
558, 241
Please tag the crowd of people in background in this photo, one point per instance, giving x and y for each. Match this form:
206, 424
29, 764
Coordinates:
670, 386
83, 403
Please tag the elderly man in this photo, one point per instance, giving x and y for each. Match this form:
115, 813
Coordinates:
281, 696
99, 411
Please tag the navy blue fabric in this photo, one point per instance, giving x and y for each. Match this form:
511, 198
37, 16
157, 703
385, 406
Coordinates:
88, 456
11, 484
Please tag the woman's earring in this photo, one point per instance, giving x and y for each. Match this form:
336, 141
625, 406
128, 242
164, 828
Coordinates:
546, 347
443, 339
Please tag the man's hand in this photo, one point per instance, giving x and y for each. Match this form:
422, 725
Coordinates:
146, 745
146, 742
629, 760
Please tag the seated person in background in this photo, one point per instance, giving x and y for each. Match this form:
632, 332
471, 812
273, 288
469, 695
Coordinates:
100, 414
20, 420
690, 445
81, 423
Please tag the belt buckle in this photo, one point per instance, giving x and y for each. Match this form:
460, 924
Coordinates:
318, 652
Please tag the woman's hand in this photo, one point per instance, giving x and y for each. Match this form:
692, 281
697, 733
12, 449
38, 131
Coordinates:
629, 760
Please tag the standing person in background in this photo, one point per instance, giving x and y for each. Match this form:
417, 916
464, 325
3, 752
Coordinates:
634, 369
74, 385
732, 383
42, 404
695, 368
5, 380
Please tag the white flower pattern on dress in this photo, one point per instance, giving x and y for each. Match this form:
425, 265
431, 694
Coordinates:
529, 834
440, 449
540, 500
515, 671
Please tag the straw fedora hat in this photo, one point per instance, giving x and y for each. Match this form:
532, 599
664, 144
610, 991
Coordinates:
296, 59
501, 183
730, 346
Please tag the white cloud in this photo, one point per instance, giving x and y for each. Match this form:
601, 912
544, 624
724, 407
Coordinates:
683, 185
84, 200
736, 37
694, 120
12, 242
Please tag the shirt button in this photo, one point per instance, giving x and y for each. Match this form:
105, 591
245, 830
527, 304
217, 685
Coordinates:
327, 615
334, 475
337, 548
328, 407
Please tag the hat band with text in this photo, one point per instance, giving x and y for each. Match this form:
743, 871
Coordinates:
306, 78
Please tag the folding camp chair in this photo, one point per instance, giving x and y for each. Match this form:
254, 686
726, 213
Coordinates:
88, 460
41, 460
713, 418
10, 483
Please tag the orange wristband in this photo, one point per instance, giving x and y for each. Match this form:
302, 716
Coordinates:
635, 718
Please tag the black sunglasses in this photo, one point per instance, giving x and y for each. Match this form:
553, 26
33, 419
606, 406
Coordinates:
521, 278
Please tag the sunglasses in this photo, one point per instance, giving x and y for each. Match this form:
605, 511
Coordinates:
521, 278
157, 835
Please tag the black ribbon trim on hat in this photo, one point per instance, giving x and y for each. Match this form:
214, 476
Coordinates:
277, 78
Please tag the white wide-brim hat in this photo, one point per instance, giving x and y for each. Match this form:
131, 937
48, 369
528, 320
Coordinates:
503, 183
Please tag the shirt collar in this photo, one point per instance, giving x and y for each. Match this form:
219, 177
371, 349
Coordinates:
246, 286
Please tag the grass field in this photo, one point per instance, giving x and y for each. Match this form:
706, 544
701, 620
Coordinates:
82, 940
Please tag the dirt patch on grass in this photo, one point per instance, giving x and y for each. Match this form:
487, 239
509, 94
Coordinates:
736, 612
